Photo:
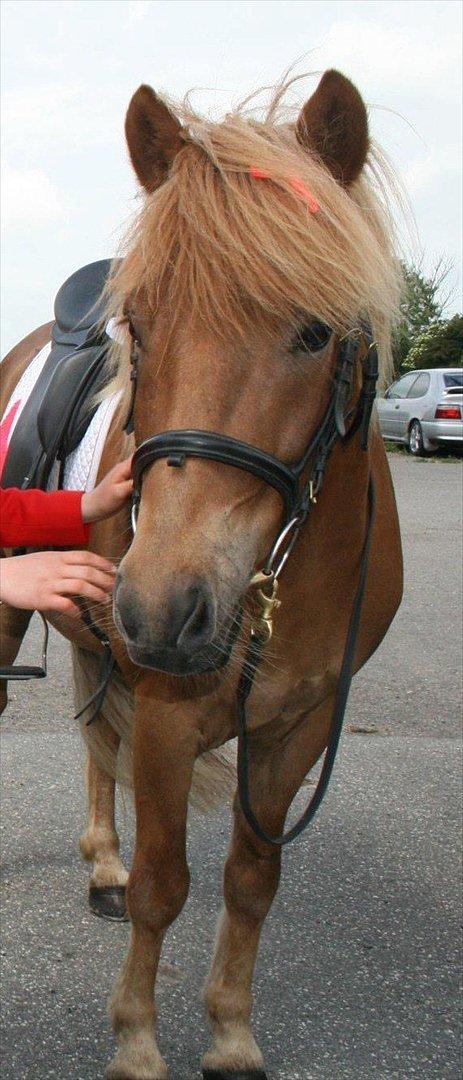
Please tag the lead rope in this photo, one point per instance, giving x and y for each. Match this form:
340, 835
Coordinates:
251, 663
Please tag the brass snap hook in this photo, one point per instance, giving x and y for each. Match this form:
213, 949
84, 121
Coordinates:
267, 603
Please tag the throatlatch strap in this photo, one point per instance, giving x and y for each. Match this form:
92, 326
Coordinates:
251, 663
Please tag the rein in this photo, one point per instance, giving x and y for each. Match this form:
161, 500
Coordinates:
251, 662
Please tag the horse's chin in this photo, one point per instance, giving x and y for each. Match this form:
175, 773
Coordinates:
173, 664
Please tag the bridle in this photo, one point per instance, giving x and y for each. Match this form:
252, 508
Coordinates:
299, 495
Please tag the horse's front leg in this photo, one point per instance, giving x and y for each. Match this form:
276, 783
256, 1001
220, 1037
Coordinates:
251, 879
99, 844
164, 753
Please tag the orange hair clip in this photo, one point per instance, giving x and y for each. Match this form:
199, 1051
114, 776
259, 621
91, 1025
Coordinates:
297, 185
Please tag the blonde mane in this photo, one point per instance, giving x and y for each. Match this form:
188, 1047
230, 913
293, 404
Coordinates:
217, 243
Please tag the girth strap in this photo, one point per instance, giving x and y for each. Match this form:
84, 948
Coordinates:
250, 665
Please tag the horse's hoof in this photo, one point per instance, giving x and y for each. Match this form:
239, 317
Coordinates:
108, 902
227, 1074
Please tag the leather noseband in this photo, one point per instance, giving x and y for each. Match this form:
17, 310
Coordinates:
176, 446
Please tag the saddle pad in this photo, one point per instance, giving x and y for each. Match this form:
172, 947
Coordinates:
82, 464
81, 468
18, 400
45, 424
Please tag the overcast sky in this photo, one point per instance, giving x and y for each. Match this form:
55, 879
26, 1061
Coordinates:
70, 68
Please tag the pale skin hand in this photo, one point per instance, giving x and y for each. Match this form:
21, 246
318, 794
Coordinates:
110, 494
46, 580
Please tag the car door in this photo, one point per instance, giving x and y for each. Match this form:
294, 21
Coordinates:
385, 407
403, 406
419, 398
392, 407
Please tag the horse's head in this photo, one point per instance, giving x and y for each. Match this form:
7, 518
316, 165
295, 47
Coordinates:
258, 246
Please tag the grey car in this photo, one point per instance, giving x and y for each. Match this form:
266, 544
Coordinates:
424, 410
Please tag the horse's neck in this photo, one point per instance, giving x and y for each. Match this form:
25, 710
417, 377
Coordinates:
331, 540
320, 579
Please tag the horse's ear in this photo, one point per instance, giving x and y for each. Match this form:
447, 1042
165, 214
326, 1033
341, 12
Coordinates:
334, 123
153, 136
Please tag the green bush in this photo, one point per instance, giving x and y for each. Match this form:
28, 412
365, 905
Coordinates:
441, 345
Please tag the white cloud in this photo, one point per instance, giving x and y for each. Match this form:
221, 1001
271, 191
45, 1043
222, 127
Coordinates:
29, 199
137, 10
424, 173
69, 71
391, 56
58, 117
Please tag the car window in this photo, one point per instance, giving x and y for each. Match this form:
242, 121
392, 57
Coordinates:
421, 385
389, 393
454, 379
401, 388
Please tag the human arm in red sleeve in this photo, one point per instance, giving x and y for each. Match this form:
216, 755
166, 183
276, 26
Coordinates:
40, 519
34, 518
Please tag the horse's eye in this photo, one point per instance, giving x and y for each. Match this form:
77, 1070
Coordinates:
311, 338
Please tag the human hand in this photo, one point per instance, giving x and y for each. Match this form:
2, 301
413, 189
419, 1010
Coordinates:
45, 580
110, 494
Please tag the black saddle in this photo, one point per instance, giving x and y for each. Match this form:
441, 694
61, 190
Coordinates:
58, 411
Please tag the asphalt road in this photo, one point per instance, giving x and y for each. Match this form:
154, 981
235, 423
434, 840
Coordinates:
358, 971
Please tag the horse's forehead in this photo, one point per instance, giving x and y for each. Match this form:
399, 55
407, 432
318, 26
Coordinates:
183, 339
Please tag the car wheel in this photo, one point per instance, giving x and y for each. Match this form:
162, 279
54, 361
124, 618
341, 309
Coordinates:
415, 439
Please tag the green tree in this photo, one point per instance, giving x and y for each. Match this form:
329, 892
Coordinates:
420, 308
441, 345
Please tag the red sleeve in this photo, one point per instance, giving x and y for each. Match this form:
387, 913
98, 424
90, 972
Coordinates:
41, 519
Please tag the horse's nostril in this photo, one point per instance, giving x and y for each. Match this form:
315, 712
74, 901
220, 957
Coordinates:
193, 617
197, 623
185, 621
127, 609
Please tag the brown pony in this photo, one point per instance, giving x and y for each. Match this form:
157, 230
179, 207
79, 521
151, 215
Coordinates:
224, 278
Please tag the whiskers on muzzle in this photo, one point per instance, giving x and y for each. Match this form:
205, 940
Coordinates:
186, 634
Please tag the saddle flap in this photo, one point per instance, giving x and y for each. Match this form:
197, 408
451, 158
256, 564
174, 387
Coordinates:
57, 413
66, 409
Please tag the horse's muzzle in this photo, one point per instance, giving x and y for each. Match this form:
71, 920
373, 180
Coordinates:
183, 637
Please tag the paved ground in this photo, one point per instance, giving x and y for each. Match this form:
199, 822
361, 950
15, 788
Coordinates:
358, 971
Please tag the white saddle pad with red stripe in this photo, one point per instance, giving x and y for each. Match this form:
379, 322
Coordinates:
82, 465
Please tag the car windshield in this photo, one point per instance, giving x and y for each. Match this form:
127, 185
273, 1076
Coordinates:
454, 379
